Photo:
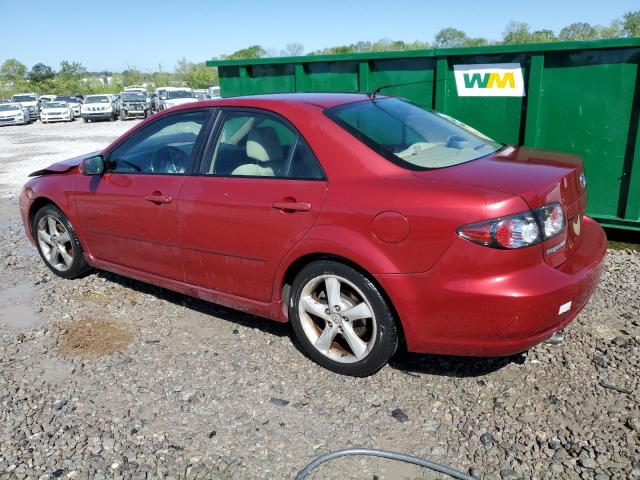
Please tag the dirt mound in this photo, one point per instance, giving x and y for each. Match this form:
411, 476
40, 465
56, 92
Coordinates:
94, 338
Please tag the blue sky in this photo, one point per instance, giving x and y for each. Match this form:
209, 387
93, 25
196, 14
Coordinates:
115, 34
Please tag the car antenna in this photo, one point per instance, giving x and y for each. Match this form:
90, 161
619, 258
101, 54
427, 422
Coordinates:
372, 94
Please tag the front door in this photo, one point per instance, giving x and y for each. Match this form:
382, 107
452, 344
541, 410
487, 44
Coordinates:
258, 192
128, 215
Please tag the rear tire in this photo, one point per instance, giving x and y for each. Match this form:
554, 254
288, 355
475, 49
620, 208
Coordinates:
57, 243
341, 319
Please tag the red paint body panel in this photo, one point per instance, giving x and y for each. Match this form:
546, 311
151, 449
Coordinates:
474, 303
121, 226
220, 238
232, 239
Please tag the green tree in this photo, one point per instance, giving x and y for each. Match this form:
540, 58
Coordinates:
578, 31
541, 36
133, 76
631, 24
516, 32
69, 78
201, 76
12, 70
293, 50
41, 73
254, 51
613, 30
450, 38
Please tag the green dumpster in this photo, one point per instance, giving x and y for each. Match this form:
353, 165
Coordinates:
575, 97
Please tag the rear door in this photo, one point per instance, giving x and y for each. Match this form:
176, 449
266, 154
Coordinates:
128, 215
259, 190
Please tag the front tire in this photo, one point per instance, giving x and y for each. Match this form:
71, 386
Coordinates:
57, 243
341, 319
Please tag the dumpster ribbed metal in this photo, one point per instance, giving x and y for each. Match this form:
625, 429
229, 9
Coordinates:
578, 97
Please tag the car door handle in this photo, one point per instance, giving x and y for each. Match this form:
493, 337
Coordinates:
292, 206
159, 199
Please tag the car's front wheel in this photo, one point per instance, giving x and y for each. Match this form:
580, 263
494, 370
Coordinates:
58, 243
341, 319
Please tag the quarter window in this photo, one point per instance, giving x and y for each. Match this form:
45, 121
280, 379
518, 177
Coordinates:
255, 145
163, 147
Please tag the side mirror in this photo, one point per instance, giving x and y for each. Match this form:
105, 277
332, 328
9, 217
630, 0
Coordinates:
93, 165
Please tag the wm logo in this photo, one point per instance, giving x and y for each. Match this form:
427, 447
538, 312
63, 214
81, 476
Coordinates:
489, 80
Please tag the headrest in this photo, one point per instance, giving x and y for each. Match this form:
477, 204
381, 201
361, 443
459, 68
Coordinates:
263, 144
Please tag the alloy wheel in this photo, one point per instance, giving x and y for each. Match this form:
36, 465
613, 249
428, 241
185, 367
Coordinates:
55, 243
337, 318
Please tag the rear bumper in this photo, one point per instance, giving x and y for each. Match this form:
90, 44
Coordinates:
455, 308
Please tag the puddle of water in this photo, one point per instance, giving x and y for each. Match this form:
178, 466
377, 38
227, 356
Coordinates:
15, 307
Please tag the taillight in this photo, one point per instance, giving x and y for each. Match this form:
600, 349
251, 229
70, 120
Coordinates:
519, 230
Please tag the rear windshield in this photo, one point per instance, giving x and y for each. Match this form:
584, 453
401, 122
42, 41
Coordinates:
411, 137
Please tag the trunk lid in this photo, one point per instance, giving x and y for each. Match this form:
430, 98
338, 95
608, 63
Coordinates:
538, 177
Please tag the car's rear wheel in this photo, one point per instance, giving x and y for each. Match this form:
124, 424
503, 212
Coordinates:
58, 243
341, 319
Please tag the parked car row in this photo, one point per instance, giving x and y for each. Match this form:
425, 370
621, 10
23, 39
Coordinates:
132, 102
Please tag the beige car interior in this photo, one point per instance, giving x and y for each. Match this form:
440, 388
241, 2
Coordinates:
264, 148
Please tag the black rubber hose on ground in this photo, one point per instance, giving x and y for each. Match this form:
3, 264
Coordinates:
383, 454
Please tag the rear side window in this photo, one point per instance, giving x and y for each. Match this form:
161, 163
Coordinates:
411, 137
257, 145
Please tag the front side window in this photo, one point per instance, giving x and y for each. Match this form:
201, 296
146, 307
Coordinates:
411, 137
256, 145
163, 147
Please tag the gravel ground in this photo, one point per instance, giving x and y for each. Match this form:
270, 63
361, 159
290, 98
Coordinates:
105, 377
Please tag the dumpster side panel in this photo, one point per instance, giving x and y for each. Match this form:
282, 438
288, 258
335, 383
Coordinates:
586, 105
270, 79
414, 77
331, 76
497, 117
580, 97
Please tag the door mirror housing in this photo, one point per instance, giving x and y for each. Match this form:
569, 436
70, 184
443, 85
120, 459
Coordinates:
93, 165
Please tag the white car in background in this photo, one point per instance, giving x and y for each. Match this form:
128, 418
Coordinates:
98, 107
14, 114
57, 111
30, 101
177, 96
73, 102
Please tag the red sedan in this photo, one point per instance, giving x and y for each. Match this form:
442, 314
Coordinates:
365, 222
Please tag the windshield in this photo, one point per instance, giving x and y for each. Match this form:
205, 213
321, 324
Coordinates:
8, 107
133, 97
411, 137
179, 94
56, 105
24, 98
99, 99
64, 98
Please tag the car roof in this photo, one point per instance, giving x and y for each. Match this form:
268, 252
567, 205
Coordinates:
323, 100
